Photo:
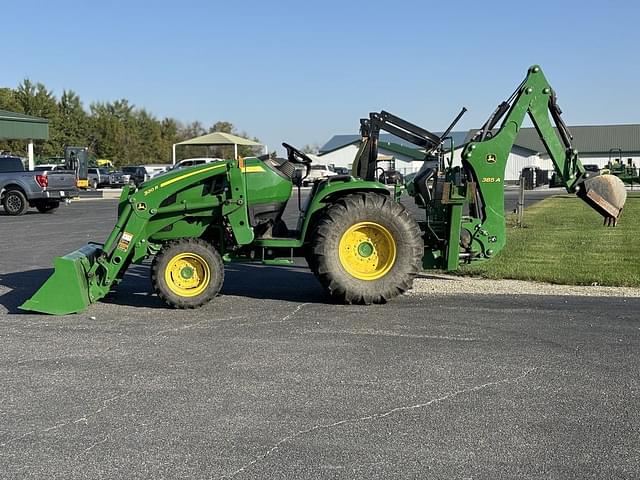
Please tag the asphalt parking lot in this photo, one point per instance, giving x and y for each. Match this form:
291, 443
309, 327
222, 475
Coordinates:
273, 381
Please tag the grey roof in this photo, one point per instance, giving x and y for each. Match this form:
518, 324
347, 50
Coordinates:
339, 141
586, 138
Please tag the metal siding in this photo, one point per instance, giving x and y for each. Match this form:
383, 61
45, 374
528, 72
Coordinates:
592, 139
342, 157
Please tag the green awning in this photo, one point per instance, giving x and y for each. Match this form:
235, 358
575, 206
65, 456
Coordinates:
17, 126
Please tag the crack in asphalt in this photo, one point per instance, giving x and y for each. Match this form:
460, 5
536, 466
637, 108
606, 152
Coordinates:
374, 416
84, 419
282, 320
100, 442
388, 333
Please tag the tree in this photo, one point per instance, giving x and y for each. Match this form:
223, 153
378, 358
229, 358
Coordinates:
115, 130
71, 126
35, 99
311, 148
8, 101
223, 127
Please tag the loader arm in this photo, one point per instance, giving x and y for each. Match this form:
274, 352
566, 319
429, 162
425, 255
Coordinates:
184, 204
484, 161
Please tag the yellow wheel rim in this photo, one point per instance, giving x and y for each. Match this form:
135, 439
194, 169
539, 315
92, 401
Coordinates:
367, 251
187, 274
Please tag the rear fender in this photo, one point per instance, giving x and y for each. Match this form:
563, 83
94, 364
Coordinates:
328, 193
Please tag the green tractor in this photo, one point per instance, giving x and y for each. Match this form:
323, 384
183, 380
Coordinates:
359, 241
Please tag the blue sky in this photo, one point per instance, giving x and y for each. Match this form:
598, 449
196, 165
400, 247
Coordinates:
303, 71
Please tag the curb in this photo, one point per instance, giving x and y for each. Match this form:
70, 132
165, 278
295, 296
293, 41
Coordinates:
98, 195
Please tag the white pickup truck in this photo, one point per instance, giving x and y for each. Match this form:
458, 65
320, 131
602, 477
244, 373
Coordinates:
42, 189
318, 172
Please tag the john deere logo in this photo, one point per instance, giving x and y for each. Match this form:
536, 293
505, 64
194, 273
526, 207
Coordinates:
491, 158
141, 206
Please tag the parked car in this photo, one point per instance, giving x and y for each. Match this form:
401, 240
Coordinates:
42, 189
119, 179
98, 177
137, 175
190, 162
318, 172
391, 177
155, 170
592, 169
342, 170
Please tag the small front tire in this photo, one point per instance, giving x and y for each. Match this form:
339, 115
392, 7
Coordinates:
187, 273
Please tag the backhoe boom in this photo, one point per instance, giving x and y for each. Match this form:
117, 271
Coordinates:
455, 234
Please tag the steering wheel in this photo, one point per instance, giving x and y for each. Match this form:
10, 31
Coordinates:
296, 156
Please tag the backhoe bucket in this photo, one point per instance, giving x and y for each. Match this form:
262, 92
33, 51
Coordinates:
67, 290
606, 194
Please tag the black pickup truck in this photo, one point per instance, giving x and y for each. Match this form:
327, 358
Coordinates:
44, 190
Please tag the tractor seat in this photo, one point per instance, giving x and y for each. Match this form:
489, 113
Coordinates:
281, 166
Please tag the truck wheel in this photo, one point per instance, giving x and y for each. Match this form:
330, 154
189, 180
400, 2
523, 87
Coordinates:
94, 184
15, 202
187, 273
47, 207
366, 249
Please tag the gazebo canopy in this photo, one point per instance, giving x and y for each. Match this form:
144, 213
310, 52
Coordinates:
217, 138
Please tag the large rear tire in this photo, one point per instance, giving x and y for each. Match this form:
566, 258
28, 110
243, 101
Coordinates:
15, 202
187, 273
366, 249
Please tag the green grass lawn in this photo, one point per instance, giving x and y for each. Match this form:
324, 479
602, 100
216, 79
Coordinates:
563, 241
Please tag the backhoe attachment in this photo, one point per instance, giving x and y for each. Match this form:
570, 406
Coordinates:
534, 97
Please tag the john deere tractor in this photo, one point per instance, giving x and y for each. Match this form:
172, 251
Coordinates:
359, 241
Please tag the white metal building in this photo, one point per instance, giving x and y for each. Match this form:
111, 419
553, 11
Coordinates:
596, 144
341, 150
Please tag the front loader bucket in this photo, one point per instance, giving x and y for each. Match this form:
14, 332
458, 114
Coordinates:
67, 290
606, 194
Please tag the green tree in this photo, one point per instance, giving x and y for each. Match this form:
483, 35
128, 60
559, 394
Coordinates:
115, 130
311, 148
108, 137
34, 99
8, 101
71, 123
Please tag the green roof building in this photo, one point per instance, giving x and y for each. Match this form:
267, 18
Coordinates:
17, 126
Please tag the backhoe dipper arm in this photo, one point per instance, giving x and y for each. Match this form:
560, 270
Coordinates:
485, 158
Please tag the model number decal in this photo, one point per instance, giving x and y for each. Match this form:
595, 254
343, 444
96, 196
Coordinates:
153, 189
491, 180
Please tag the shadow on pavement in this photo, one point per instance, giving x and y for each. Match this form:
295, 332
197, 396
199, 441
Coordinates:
22, 286
29, 212
294, 284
